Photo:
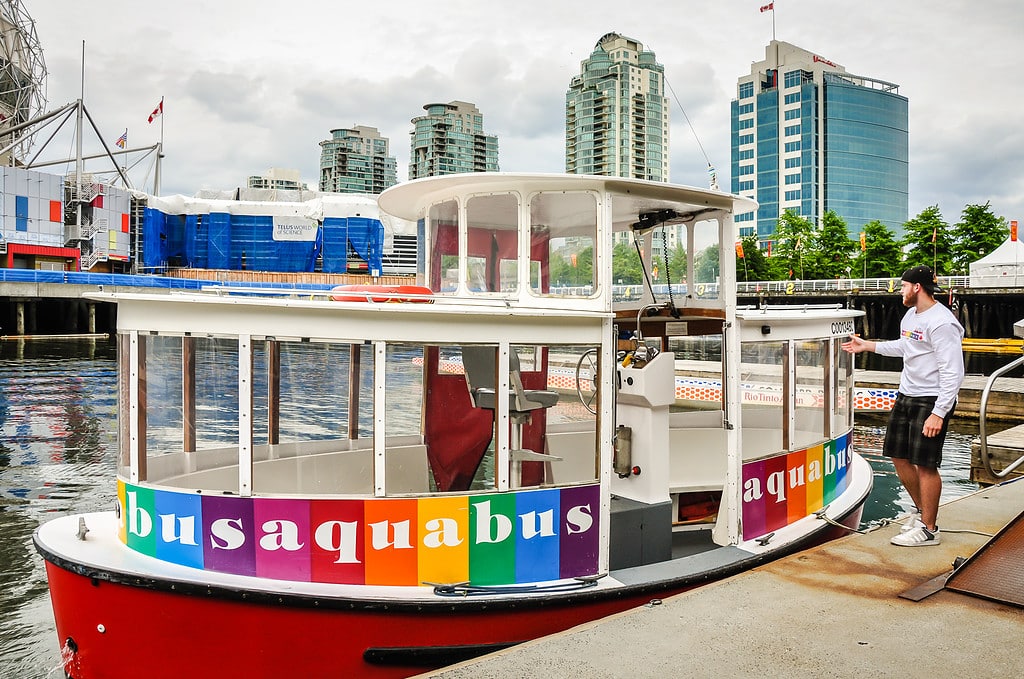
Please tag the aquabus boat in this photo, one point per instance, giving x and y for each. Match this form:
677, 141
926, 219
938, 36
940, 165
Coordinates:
358, 483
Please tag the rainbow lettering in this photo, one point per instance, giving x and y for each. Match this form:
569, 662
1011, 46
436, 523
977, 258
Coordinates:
780, 490
487, 539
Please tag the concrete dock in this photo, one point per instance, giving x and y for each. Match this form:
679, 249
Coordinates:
831, 611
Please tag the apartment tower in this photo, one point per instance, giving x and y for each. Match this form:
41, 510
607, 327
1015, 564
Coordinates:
616, 113
356, 160
450, 139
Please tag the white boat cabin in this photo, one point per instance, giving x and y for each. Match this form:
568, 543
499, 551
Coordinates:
503, 422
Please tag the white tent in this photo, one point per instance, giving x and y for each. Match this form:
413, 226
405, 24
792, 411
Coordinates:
1001, 268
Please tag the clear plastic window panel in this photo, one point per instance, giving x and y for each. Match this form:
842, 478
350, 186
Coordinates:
444, 247
563, 231
706, 260
313, 418
699, 372
493, 243
810, 400
843, 367
762, 397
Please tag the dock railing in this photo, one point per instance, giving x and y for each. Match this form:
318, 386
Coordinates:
986, 459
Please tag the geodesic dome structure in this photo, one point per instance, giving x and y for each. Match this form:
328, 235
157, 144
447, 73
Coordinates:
22, 73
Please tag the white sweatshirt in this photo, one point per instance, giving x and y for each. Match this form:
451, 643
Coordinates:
933, 358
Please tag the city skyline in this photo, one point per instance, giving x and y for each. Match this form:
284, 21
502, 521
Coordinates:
234, 106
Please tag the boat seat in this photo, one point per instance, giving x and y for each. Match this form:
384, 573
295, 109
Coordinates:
481, 370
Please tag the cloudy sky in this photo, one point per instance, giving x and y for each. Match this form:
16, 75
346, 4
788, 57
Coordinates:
252, 85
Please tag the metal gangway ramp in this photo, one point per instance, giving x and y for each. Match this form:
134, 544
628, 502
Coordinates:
996, 571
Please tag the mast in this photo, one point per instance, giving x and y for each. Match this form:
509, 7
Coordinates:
79, 164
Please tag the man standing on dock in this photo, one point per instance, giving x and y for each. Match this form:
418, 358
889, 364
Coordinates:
930, 344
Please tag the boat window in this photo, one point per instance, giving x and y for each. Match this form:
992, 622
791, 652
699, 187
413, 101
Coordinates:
444, 247
493, 243
706, 260
124, 372
552, 434
572, 423
843, 367
312, 417
563, 231
188, 405
763, 398
308, 406
812, 358
405, 455
699, 372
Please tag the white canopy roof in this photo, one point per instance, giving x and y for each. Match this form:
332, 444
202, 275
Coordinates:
1001, 268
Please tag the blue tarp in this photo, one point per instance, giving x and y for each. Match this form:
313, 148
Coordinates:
219, 240
140, 281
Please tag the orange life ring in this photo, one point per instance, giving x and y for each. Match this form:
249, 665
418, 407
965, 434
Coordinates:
382, 293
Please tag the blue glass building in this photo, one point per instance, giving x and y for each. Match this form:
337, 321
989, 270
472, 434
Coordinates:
809, 137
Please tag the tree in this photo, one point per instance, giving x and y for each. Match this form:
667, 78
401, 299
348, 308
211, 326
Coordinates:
626, 265
834, 250
977, 234
794, 237
927, 240
882, 256
677, 262
753, 266
572, 268
705, 265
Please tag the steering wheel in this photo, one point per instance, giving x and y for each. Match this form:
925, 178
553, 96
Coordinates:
586, 372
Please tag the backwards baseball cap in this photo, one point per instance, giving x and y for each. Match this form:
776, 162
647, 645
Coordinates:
924, 276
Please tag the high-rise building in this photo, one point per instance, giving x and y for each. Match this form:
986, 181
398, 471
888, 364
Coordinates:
356, 160
451, 139
277, 178
810, 137
617, 120
616, 113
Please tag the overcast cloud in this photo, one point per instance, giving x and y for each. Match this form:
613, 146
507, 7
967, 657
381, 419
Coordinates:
258, 84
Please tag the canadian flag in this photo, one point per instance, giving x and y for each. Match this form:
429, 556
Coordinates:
769, 7
157, 111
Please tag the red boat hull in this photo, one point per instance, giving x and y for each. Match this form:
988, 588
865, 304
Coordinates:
117, 629
114, 625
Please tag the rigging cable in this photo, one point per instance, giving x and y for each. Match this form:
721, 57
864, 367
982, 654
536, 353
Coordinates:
713, 176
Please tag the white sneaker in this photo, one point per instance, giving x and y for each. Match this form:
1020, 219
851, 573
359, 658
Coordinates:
912, 521
918, 537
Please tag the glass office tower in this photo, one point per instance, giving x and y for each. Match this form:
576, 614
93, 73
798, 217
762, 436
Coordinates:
808, 136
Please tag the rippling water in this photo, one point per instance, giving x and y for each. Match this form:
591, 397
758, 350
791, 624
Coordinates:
58, 408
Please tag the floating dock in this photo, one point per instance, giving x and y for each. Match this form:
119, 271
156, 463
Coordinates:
1005, 402
834, 610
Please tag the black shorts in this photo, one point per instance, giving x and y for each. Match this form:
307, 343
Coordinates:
903, 436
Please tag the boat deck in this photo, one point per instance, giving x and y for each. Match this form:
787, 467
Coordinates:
834, 610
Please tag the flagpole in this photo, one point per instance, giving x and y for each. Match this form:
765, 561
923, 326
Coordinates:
159, 151
773, 21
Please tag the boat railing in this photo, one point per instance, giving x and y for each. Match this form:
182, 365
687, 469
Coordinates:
986, 458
